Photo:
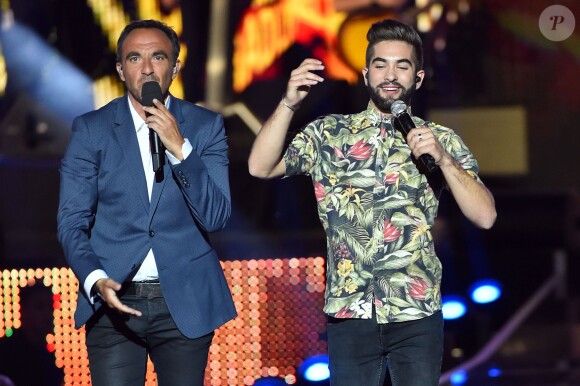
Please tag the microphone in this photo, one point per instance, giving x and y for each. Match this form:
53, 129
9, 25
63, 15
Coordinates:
404, 123
151, 90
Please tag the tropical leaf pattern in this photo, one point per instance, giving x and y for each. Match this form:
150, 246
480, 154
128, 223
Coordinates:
377, 210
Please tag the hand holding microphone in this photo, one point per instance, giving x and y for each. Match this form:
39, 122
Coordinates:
151, 90
404, 122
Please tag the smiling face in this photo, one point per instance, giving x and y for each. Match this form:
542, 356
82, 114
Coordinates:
146, 56
391, 74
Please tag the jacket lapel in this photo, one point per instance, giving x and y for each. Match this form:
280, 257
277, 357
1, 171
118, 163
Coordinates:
175, 109
125, 133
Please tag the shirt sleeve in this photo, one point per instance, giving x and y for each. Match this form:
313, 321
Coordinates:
302, 154
455, 146
91, 280
186, 150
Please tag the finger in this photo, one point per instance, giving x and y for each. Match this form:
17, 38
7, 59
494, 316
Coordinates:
306, 74
159, 105
420, 134
108, 289
103, 285
299, 86
114, 302
305, 70
128, 310
311, 61
150, 110
158, 110
310, 64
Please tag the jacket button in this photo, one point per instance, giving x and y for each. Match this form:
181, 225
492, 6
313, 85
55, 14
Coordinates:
151, 233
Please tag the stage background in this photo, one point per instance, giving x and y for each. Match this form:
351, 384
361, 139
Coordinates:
509, 91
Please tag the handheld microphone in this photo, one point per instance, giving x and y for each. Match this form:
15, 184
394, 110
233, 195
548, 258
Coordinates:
404, 123
151, 90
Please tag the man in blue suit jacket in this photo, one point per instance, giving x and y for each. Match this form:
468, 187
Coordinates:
137, 240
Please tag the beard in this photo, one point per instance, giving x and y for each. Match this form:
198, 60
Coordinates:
384, 104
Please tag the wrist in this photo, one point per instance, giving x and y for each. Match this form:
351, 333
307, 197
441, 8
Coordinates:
447, 161
291, 107
95, 293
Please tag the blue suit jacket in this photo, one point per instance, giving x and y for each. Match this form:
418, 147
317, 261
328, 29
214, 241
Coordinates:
105, 219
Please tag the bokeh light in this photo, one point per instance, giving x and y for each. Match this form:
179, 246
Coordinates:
280, 320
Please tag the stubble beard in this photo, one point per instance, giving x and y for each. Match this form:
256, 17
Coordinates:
384, 104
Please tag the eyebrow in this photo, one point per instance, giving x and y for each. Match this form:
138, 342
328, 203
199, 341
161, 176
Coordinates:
131, 54
404, 60
161, 53
156, 53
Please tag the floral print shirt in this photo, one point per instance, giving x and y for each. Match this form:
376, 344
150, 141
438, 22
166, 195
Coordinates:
377, 210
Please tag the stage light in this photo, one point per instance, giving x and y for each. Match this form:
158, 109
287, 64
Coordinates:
485, 291
54, 82
270, 381
453, 307
315, 369
458, 378
494, 372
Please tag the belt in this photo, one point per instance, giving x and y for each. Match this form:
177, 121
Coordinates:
146, 289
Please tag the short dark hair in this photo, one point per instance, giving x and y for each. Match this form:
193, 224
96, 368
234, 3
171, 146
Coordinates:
171, 34
388, 29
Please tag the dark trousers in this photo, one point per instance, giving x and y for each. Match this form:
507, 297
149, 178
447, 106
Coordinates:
362, 352
118, 344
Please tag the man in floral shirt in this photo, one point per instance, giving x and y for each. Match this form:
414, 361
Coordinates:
377, 207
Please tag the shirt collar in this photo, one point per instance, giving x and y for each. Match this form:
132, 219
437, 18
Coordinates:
376, 117
137, 120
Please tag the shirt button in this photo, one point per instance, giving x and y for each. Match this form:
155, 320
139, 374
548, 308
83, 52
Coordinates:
151, 233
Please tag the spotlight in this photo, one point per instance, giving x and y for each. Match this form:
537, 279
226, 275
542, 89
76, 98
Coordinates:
458, 378
485, 291
494, 372
315, 369
54, 82
453, 307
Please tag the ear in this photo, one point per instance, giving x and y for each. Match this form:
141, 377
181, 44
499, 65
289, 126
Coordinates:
119, 67
419, 78
365, 73
176, 69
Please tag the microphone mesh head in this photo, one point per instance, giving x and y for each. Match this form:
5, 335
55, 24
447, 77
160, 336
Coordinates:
151, 90
398, 108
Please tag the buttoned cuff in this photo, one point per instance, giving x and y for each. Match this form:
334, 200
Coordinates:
90, 282
186, 150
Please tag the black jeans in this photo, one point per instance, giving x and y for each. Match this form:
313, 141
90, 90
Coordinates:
118, 344
360, 350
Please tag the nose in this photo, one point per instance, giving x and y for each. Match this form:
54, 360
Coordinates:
391, 74
147, 68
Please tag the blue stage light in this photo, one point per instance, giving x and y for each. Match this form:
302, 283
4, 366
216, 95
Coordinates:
494, 372
458, 378
453, 307
485, 291
315, 369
